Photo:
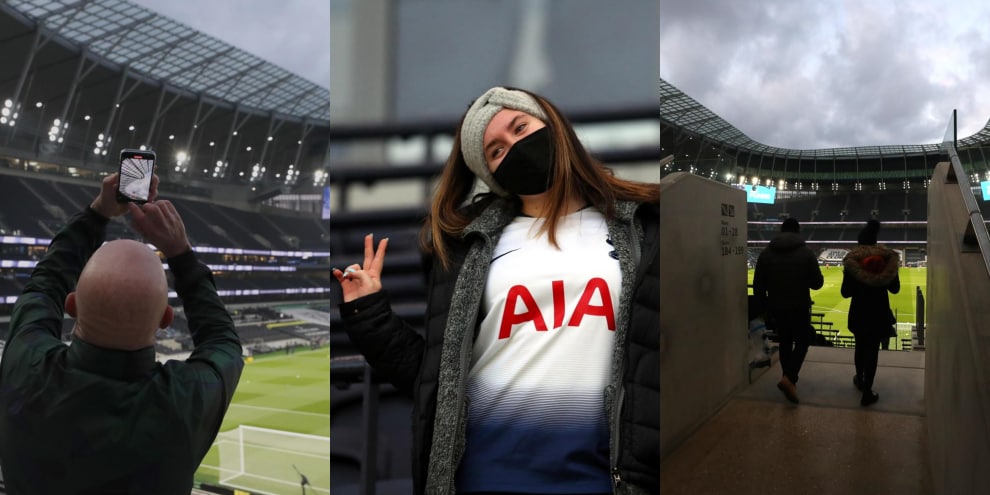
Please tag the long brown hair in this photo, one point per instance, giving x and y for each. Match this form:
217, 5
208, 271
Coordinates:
576, 174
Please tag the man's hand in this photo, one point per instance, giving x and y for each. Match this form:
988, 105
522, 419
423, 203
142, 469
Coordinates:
106, 202
160, 224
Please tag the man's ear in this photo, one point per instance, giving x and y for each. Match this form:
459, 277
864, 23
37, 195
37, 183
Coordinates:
166, 317
70, 304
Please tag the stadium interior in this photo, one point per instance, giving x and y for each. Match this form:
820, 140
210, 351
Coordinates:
241, 145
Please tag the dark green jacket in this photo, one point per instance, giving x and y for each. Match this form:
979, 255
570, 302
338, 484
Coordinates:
82, 419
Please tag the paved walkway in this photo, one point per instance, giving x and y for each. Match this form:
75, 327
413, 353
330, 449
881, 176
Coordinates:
761, 444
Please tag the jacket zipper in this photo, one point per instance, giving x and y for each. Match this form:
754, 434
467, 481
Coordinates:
636, 252
616, 479
617, 421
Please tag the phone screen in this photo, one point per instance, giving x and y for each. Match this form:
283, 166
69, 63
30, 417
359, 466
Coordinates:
136, 171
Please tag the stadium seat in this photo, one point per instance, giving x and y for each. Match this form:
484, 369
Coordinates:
394, 433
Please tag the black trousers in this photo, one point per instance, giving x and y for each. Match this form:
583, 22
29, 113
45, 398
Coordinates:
794, 332
867, 355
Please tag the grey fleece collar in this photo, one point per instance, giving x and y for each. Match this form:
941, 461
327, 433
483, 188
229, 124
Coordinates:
625, 210
455, 353
493, 219
626, 235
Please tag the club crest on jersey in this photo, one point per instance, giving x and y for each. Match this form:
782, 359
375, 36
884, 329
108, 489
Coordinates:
520, 295
612, 253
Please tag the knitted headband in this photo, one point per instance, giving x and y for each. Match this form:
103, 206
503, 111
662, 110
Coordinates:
476, 121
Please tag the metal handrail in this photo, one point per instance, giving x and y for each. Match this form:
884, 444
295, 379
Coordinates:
977, 228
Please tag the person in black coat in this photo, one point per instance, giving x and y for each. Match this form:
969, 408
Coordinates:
503, 400
785, 272
870, 272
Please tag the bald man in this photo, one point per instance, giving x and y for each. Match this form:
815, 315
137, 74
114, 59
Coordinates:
121, 297
101, 415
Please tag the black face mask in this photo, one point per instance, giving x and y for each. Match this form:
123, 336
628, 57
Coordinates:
528, 166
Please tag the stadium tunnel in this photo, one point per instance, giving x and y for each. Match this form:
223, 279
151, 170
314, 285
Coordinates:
724, 425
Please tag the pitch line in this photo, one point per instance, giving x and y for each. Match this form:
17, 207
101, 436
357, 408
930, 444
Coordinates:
288, 411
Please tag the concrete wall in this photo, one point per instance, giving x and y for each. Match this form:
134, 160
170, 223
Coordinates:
703, 327
957, 376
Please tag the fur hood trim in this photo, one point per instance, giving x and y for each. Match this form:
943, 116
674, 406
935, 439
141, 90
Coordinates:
875, 265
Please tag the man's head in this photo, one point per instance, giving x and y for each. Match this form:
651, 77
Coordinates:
790, 225
121, 297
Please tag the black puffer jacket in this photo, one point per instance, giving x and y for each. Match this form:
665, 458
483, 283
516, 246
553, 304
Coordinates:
869, 273
785, 271
421, 368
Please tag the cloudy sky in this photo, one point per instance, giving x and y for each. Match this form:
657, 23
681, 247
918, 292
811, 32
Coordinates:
830, 73
293, 34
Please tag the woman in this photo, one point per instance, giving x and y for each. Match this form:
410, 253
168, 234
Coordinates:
539, 371
870, 272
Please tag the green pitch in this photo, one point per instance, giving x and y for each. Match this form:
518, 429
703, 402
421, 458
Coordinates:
286, 392
829, 300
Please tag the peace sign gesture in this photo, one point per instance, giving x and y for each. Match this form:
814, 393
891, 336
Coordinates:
359, 281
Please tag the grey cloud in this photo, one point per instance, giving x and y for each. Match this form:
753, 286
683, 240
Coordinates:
293, 34
771, 70
878, 86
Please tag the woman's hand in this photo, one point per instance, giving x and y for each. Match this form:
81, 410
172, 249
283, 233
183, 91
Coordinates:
359, 281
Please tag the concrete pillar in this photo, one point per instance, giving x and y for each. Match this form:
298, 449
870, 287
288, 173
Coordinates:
703, 312
957, 351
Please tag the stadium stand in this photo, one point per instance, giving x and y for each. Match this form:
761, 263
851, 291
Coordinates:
834, 218
886, 206
32, 206
37, 217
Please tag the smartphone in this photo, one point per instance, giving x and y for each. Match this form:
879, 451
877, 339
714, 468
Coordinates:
137, 167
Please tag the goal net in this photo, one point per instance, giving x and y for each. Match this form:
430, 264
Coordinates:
273, 461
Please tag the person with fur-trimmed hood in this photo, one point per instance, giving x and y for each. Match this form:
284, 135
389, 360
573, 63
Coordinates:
870, 272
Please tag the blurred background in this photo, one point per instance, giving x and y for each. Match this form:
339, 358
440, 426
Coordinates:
402, 75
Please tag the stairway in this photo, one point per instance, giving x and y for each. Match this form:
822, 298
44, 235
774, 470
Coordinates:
759, 443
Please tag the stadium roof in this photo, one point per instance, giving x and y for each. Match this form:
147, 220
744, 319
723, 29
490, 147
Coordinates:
129, 35
81, 80
680, 110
